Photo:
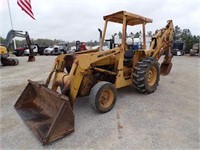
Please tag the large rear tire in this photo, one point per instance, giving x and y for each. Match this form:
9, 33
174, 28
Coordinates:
147, 75
103, 97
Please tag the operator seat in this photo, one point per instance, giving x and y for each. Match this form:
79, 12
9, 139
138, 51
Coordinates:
129, 52
128, 55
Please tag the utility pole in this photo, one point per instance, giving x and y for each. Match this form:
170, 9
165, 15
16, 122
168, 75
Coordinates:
11, 21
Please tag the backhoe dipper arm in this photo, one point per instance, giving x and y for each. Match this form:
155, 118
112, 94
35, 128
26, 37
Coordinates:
162, 41
161, 44
28, 40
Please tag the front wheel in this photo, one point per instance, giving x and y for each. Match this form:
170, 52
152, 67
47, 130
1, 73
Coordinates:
103, 97
147, 75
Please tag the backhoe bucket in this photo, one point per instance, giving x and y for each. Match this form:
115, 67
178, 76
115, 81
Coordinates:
47, 113
165, 68
31, 58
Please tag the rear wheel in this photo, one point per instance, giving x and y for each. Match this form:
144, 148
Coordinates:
147, 75
103, 97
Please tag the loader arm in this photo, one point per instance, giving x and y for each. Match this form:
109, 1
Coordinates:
73, 79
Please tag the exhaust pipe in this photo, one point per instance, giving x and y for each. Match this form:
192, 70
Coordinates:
100, 39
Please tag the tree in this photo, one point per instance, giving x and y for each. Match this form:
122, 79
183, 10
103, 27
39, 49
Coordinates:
1, 40
137, 35
187, 38
114, 34
120, 35
96, 43
196, 39
131, 34
177, 33
155, 32
149, 33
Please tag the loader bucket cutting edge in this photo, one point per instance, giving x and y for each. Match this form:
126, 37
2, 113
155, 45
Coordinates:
47, 113
165, 68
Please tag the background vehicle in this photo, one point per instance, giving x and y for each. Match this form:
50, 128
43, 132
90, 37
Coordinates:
20, 51
52, 50
25, 51
178, 48
4, 51
56, 51
195, 50
34, 48
97, 73
41, 49
80, 46
63, 47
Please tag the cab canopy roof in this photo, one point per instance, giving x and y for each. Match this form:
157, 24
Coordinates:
132, 19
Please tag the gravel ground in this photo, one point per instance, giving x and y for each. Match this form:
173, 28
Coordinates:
166, 119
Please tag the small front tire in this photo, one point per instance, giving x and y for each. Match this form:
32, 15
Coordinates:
103, 96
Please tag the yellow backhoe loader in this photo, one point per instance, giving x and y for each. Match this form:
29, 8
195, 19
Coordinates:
47, 109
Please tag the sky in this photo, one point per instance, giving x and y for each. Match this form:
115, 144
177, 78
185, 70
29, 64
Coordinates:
70, 20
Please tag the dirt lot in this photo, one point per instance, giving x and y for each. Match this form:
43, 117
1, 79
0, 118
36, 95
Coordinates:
168, 118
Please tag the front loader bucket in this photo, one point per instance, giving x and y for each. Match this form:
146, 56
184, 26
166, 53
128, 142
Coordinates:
47, 113
165, 68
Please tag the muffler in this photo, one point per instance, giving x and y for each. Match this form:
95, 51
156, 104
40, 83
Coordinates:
47, 113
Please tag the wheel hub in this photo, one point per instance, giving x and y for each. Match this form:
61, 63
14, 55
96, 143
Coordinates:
106, 98
152, 76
